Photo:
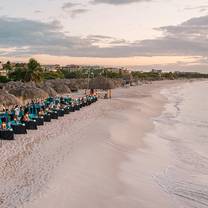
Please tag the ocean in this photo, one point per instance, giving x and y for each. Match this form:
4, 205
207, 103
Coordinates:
170, 170
184, 124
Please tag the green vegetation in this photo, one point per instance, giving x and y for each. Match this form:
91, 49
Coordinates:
17, 74
26, 72
74, 74
32, 71
53, 75
153, 76
91, 73
8, 66
4, 79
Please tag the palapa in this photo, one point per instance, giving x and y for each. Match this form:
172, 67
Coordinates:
101, 83
7, 99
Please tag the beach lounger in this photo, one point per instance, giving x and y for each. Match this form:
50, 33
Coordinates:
66, 110
31, 125
54, 115
47, 117
60, 112
19, 129
6, 134
39, 121
77, 107
72, 108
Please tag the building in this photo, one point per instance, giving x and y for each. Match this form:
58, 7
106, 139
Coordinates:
71, 68
2, 70
118, 70
51, 68
158, 71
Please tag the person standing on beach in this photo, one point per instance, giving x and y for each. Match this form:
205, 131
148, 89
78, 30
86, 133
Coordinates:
17, 110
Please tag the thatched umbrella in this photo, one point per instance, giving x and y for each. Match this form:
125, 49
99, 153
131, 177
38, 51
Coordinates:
79, 83
101, 83
118, 82
51, 92
76, 84
73, 87
2, 85
16, 84
59, 86
28, 93
12, 85
7, 99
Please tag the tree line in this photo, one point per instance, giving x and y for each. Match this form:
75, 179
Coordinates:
32, 71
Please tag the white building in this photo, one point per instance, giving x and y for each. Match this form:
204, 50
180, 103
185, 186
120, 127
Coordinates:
2, 71
51, 68
157, 71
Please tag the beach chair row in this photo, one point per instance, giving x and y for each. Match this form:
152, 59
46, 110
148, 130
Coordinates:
21, 119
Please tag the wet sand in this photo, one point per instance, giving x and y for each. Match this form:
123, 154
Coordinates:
84, 160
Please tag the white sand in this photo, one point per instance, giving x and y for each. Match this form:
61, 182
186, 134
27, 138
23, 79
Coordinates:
83, 160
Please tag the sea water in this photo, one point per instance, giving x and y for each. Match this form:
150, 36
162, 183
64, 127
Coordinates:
184, 126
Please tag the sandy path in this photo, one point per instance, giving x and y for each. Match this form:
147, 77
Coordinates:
78, 160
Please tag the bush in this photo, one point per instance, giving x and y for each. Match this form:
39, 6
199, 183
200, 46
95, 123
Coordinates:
74, 74
53, 75
18, 74
4, 79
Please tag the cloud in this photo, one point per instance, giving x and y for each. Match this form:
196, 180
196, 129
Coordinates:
74, 9
178, 66
189, 37
106, 41
68, 5
202, 8
118, 2
38, 37
38, 11
30, 37
73, 13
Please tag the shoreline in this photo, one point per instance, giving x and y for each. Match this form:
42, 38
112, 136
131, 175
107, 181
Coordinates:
87, 155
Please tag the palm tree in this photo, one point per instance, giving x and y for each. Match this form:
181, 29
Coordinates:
8, 67
34, 71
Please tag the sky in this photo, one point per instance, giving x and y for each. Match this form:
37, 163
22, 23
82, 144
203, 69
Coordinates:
139, 34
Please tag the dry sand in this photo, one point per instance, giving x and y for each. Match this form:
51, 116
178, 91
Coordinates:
84, 160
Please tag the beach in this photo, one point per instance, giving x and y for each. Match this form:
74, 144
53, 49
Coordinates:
113, 153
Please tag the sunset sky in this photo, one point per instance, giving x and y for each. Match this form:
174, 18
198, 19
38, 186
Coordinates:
171, 35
